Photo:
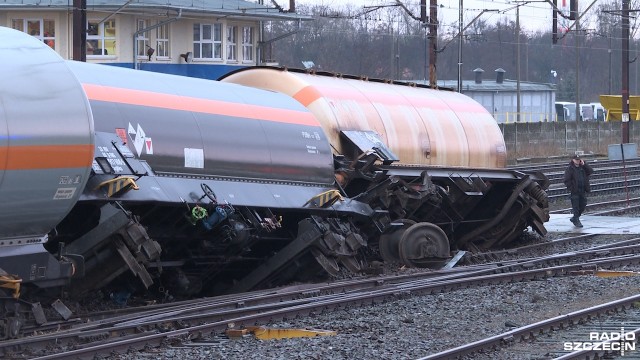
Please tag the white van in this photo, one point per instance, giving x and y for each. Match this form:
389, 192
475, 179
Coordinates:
586, 112
599, 112
565, 111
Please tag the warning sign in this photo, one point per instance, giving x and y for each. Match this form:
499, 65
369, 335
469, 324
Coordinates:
122, 134
140, 140
148, 145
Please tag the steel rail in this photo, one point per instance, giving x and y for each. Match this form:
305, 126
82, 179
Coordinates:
596, 354
599, 188
330, 302
530, 331
605, 204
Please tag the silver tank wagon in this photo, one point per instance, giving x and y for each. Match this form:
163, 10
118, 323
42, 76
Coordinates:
46, 150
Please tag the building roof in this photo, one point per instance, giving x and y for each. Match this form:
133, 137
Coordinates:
191, 8
492, 85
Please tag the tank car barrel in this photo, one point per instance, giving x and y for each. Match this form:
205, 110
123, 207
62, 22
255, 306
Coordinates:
46, 152
422, 126
46, 137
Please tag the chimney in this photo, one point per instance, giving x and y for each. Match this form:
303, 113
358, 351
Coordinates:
500, 75
478, 73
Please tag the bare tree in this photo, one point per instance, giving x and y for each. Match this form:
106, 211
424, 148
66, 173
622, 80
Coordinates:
388, 42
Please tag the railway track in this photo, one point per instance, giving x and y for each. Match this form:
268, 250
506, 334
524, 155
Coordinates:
195, 320
560, 323
121, 330
558, 167
607, 181
607, 207
609, 177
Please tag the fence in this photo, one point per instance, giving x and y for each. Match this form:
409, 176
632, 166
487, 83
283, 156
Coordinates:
525, 117
545, 139
509, 117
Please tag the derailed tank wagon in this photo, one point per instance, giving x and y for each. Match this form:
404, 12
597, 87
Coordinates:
433, 159
186, 186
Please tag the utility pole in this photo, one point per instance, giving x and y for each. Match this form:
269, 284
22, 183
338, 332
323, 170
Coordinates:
577, 33
427, 56
578, 110
80, 30
460, 37
397, 57
625, 71
610, 65
430, 25
393, 73
433, 39
518, 63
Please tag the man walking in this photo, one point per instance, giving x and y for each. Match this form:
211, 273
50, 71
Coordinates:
576, 178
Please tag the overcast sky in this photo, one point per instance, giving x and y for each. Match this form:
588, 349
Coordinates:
535, 15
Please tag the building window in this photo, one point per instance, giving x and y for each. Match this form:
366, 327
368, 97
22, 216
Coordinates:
101, 38
42, 29
247, 44
232, 43
162, 41
207, 41
142, 38
18, 24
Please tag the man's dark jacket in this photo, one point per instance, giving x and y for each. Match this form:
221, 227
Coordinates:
571, 177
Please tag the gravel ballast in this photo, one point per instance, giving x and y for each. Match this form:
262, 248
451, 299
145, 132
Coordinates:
416, 326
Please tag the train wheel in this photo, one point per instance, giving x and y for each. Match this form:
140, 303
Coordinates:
423, 245
351, 263
328, 264
389, 243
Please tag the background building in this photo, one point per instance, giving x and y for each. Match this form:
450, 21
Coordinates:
185, 37
499, 96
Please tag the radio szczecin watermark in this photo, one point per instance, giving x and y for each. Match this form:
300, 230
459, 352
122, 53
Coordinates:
605, 341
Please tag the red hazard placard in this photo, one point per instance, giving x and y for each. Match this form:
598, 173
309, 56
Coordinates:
122, 134
148, 145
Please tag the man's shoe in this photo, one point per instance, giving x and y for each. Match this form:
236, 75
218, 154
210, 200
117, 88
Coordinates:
577, 223
573, 221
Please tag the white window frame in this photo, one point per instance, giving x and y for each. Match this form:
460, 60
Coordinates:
142, 38
201, 42
101, 37
248, 55
232, 43
162, 42
41, 33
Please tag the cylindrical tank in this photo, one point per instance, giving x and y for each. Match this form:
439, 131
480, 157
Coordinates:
191, 127
422, 126
46, 138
